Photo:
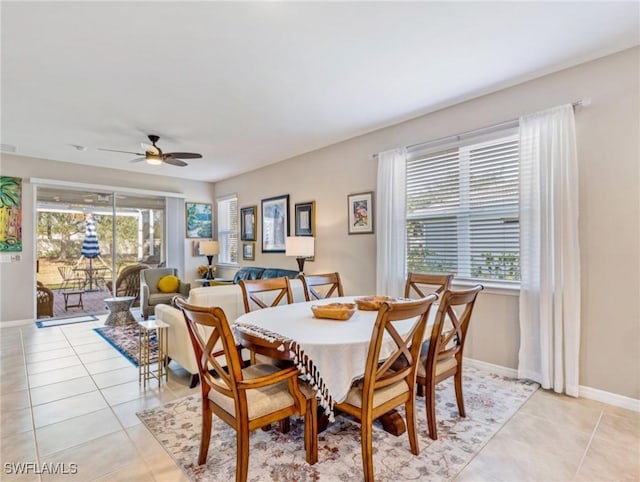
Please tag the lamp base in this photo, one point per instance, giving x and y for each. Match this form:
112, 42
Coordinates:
210, 274
300, 261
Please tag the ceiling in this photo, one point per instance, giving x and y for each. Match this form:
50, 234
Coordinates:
249, 84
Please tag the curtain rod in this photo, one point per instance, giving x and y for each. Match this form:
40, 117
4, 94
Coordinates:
482, 130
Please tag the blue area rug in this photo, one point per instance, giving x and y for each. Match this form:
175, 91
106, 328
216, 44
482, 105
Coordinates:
125, 340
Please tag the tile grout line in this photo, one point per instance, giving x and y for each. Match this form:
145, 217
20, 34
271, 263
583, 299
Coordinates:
593, 434
33, 420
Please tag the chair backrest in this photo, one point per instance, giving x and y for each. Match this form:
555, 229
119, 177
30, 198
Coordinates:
128, 282
151, 277
406, 349
213, 322
429, 282
454, 310
254, 291
330, 283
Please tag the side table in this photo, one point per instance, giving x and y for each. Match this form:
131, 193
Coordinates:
119, 313
145, 370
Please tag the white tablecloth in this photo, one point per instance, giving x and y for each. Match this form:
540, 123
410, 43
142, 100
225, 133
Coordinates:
337, 350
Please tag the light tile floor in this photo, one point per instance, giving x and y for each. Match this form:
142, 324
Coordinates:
68, 398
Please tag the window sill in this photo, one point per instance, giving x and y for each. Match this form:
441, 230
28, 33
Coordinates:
491, 287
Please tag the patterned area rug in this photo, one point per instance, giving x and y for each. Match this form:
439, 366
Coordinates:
490, 400
125, 340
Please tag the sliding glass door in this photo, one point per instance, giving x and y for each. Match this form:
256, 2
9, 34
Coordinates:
86, 239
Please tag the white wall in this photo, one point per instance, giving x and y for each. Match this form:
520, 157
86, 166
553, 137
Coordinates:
609, 159
17, 279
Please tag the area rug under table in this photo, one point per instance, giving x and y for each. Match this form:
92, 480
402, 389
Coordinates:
490, 400
125, 340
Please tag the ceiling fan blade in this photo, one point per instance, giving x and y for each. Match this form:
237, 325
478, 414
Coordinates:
124, 152
184, 155
174, 162
139, 159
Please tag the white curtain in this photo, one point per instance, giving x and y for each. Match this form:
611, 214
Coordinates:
390, 222
549, 250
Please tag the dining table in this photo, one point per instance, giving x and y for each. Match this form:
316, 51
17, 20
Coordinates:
330, 354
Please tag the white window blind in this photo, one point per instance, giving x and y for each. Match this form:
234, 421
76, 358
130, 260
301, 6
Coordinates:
462, 210
228, 229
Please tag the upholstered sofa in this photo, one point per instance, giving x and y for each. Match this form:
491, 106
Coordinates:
227, 297
254, 272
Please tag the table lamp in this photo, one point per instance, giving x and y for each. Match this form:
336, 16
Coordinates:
301, 247
209, 249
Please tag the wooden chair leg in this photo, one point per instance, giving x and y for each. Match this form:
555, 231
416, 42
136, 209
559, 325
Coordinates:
411, 426
242, 455
458, 385
366, 429
206, 432
311, 431
194, 380
285, 425
430, 404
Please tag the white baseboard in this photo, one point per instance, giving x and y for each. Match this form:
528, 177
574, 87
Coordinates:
490, 367
584, 392
610, 398
14, 323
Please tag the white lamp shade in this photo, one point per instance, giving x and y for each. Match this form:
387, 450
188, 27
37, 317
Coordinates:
301, 246
209, 248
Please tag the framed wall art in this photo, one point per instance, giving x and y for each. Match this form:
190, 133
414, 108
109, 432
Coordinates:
248, 223
10, 214
360, 213
275, 223
199, 220
305, 219
248, 251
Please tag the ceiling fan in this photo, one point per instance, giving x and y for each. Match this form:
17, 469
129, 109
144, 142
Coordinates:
154, 155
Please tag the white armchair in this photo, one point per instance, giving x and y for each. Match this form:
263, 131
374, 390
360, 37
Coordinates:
227, 297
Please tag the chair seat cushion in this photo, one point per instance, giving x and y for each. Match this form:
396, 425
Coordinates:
380, 396
441, 366
168, 284
260, 401
160, 298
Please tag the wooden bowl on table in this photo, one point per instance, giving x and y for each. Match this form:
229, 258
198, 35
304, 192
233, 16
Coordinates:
334, 311
372, 303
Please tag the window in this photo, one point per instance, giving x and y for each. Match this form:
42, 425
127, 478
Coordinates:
228, 229
462, 209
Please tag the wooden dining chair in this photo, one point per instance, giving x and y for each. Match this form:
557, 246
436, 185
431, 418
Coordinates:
427, 282
384, 388
244, 398
256, 291
441, 356
330, 284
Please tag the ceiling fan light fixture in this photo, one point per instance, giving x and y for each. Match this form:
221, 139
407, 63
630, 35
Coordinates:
154, 160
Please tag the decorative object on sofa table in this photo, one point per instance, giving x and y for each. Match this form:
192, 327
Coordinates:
209, 249
360, 213
301, 247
